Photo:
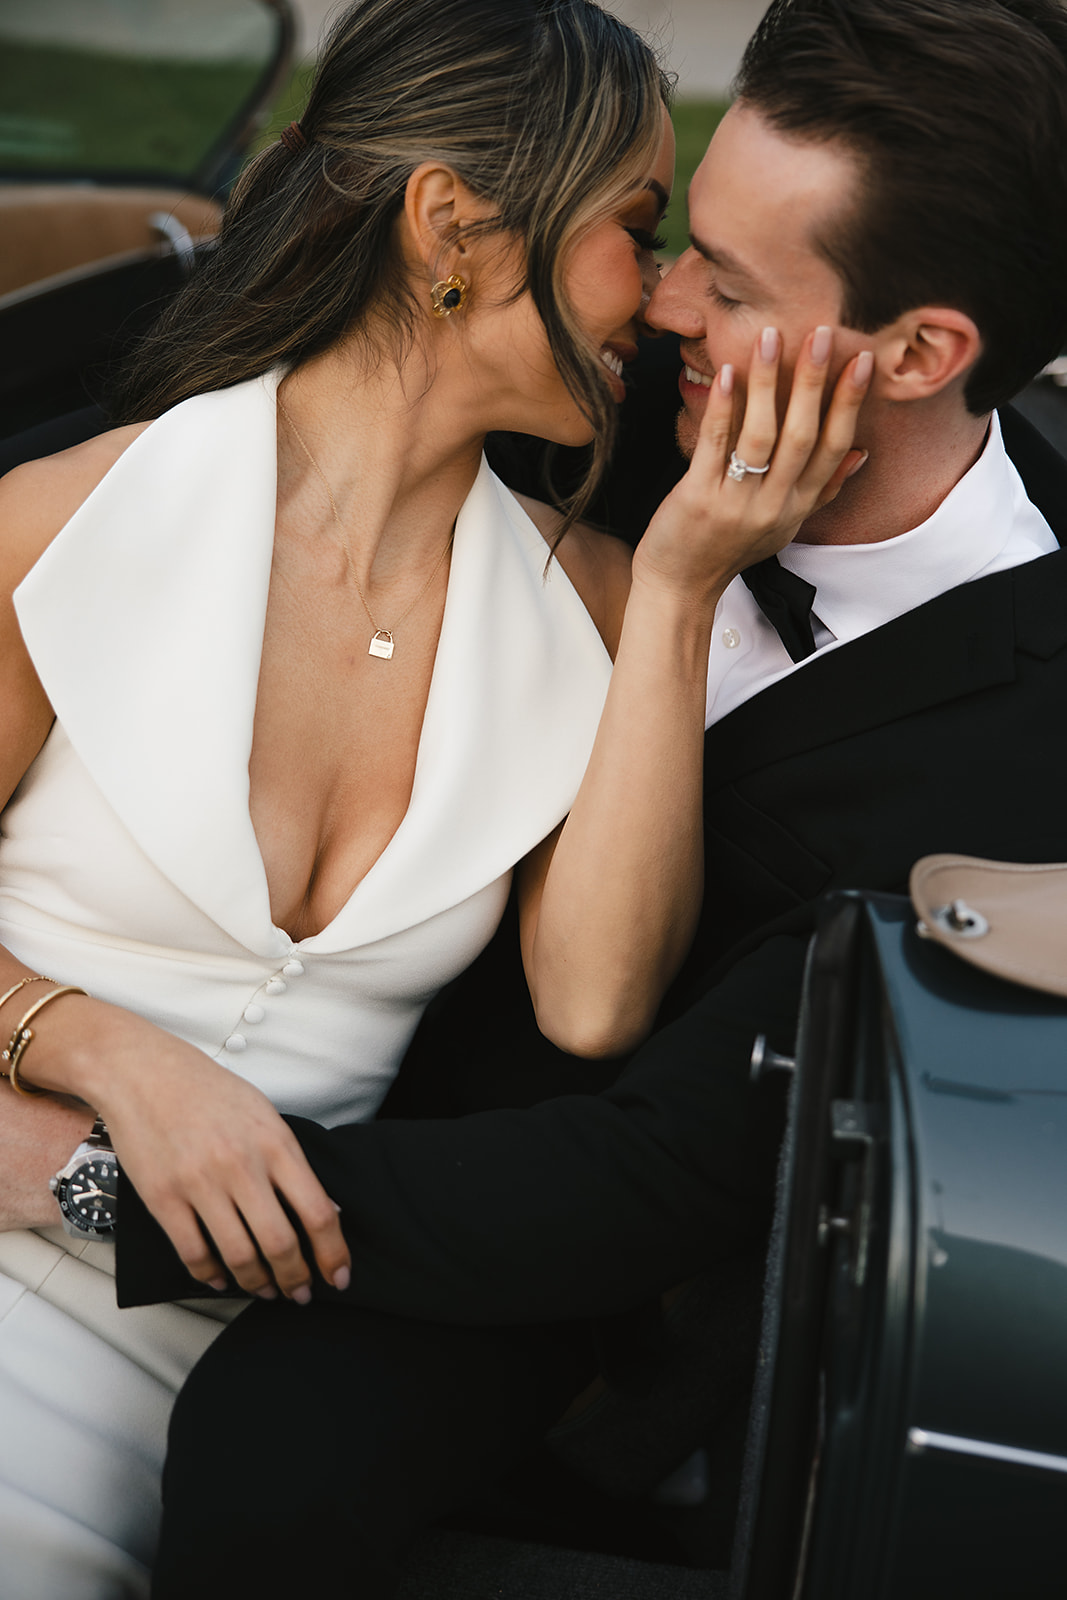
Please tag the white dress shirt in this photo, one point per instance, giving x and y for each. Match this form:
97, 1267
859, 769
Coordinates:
985, 524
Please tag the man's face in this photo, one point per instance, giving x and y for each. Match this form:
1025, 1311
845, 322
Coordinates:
755, 204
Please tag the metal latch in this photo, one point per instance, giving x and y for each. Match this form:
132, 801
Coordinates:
855, 1128
765, 1060
959, 919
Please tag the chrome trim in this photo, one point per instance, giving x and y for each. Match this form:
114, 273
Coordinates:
764, 1060
960, 920
177, 235
920, 1439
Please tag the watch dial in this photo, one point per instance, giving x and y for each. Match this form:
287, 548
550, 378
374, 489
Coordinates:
91, 1194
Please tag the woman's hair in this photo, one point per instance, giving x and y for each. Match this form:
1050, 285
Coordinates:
549, 110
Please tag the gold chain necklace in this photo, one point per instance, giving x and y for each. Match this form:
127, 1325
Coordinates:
382, 643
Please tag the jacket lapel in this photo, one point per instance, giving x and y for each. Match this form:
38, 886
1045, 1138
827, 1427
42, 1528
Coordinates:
957, 644
961, 642
147, 603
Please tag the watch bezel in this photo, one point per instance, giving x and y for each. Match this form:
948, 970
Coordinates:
73, 1220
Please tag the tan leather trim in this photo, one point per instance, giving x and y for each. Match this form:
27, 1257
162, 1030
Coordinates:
49, 228
1024, 908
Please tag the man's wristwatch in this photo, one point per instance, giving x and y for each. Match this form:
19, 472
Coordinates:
87, 1186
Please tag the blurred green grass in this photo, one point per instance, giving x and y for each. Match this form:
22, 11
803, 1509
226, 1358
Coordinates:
694, 123
289, 105
87, 111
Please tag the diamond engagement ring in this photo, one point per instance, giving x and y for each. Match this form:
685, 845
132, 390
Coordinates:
738, 468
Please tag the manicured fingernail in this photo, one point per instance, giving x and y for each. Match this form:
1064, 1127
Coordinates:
768, 344
856, 465
726, 379
861, 373
217, 1283
342, 1278
268, 1292
302, 1296
820, 346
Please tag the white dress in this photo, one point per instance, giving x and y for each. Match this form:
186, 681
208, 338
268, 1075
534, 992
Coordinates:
129, 865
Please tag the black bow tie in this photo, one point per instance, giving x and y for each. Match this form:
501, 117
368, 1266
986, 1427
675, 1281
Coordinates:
786, 601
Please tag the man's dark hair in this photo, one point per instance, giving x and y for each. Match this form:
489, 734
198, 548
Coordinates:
957, 113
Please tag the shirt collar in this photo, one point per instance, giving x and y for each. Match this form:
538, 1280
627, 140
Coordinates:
862, 586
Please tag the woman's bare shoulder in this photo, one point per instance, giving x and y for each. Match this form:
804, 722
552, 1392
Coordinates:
39, 497
598, 565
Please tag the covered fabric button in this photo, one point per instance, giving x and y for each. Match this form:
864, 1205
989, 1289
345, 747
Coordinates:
294, 969
236, 1043
276, 986
254, 1012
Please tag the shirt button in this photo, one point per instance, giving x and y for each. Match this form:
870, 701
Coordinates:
276, 986
294, 969
254, 1013
731, 638
236, 1043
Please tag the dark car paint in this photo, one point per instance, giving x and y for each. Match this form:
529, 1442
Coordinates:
917, 1435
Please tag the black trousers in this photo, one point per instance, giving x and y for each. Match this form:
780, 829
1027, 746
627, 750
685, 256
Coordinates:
310, 1443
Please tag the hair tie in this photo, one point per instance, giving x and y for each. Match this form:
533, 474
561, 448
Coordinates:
294, 138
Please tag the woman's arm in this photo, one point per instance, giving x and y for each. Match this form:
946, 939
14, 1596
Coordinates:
609, 903
204, 1148
36, 1138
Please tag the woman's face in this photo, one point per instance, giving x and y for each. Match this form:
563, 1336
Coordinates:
612, 272
608, 277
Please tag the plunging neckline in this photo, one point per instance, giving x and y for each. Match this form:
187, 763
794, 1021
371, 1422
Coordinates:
412, 709
323, 933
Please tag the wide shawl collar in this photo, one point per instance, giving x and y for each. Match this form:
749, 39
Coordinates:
145, 621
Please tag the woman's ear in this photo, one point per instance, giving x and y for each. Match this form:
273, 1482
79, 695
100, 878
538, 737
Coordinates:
438, 206
925, 351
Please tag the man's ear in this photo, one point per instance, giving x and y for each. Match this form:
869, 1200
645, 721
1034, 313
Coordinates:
924, 351
438, 206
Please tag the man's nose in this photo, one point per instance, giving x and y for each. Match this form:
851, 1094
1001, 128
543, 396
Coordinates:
676, 303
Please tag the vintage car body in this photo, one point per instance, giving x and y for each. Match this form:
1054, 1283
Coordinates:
916, 1442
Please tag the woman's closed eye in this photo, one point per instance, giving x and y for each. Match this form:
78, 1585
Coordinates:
646, 241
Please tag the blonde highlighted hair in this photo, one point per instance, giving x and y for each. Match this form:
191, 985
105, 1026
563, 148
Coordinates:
550, 110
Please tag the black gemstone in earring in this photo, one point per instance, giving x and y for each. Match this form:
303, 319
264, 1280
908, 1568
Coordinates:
448, 295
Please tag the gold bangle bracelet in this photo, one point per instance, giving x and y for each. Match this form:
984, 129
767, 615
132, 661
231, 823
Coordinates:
23, 1037
37, 977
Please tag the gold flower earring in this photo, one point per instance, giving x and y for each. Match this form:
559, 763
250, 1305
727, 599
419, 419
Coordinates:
448, 295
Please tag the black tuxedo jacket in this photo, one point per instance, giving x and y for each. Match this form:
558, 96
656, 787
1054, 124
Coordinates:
552, 1196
